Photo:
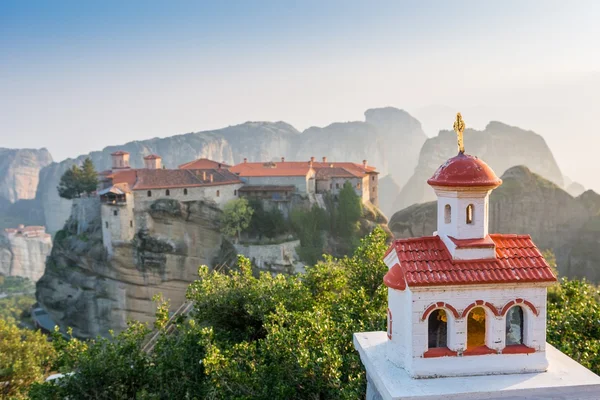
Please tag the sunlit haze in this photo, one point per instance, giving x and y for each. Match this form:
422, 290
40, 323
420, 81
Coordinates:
78, 76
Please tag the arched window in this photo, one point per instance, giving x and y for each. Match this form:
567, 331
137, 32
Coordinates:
476, 328
106, 224
437, 329
115, 213
218, 193
514, 326
185, 192
235, 192
149, 193
470, 210
447, 214
167, 192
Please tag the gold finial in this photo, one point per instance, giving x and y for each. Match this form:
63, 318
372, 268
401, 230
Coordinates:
459, 128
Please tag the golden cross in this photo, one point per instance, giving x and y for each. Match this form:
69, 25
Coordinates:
459, 128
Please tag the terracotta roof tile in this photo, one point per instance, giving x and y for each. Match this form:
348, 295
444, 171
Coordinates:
139, 179
301, 168
204, 163
119, 153
427, 262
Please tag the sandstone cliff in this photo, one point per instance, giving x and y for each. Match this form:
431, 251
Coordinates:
23, 256
389, 139
85, 289
526, 203
500, 145
19, 172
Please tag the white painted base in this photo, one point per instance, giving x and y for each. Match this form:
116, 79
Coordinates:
564, 379
488, 364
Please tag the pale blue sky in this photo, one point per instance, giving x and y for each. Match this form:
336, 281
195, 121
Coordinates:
76, 76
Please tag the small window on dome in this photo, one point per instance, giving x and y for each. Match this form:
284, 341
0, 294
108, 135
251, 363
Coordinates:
447, 214
470, 209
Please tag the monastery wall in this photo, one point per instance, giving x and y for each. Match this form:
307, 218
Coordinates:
220, 194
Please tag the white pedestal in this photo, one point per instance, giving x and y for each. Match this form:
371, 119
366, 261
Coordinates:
564, 380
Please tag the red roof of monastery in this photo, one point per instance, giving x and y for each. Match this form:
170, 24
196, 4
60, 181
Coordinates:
153, 157
426, 261
143, 179
203, 163
119, 153
466, 171
324, 170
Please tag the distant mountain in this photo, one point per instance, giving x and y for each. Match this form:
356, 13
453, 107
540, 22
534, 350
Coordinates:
19, 172
527, 203
389, 139
500, 145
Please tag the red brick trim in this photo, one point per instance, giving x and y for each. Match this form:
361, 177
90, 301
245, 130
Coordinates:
439, 352
439, 304
480, 303
517, 349
479, 351
521, 302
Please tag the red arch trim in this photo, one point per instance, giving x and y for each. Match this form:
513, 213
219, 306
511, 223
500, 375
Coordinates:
479, 303
511, 303
439, 304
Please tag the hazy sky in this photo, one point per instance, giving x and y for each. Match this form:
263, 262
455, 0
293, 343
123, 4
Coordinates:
76, 76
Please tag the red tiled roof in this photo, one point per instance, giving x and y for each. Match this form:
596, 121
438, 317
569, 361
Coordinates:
464, 170
426, 261
486, 242
301, 168
203, 163
119, 153
143, 179
153, 157
272, 169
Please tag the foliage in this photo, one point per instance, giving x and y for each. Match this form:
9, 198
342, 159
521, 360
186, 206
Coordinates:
574, 321
236, 217
276, 337
15, 284
280, 337
309, 226
16, 308
25, 358
348, 212
77, 180
269, 223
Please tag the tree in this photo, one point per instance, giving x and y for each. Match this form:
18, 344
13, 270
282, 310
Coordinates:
348, 212
89, 177
25, 358
76, 180
236, 217
68, 187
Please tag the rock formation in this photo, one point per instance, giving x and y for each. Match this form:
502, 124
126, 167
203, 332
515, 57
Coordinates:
388, 139
501, 146
528, 203
19, 172
85, 289
23, 252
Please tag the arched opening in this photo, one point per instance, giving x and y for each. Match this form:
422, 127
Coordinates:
514, 326
218, 193
447, 214
389, 324
149, 193
115, 213
235, 192
437, 329
470, 211
185, 192
167, 192
476, 328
